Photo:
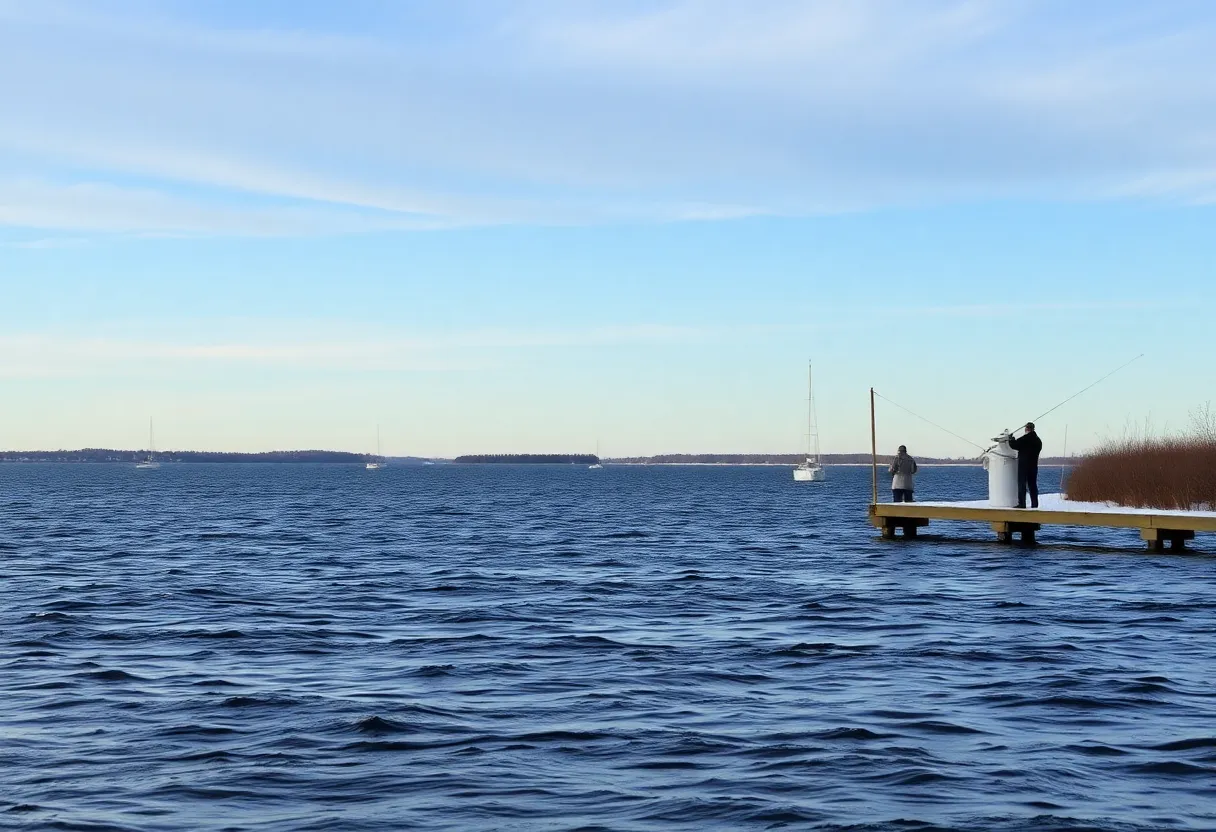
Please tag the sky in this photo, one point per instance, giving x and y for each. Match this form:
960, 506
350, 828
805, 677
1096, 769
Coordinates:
535, 226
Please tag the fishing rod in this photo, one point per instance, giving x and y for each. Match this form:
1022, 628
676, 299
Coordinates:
1083, 389
1074, 395
1037, 418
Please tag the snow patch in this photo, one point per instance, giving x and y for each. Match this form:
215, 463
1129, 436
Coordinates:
1057, 502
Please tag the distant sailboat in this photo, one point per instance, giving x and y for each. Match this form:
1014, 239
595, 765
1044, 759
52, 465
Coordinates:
596, 464
150, 460
810, 470
378, 462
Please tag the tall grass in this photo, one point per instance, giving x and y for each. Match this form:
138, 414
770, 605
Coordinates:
1143, 471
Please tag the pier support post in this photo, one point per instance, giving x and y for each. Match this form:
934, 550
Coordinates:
908, 525
1157, 538
1006, 530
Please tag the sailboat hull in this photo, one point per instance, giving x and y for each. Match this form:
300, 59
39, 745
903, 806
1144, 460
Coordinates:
808, 474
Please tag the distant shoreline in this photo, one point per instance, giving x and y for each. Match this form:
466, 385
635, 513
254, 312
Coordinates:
100, 456
826, 464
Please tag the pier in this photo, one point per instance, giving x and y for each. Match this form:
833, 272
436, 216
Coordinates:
1157, 527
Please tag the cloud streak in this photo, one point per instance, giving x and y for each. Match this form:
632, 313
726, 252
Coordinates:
117, 120
49, 356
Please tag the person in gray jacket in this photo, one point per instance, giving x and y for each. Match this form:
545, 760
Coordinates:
903, 469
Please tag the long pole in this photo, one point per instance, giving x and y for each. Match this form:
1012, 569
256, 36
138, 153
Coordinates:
1065, 465
873, 451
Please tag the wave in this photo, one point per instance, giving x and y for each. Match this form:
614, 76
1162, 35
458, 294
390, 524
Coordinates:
696, 649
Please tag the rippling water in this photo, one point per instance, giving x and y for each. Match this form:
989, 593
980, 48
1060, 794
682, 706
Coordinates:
305, 648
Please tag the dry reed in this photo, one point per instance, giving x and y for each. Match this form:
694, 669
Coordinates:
1152, 472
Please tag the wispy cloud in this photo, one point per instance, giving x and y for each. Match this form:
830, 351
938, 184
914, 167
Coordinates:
707, 40
37, 243
123, 117
105, 207
51, 356
988, 310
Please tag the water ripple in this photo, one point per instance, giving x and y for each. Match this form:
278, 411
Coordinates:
326, 648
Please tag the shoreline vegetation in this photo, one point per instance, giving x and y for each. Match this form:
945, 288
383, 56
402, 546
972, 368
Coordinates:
1144, 471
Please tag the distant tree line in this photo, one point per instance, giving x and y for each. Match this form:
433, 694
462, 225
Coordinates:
528, 459
110, 455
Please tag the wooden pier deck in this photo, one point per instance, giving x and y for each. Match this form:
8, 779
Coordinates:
1157, 527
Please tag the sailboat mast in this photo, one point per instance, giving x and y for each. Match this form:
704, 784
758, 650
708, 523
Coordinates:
812, 428
809, 417
815, 420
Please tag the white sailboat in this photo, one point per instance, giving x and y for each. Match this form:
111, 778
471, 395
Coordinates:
150, 460
377, 463
810, 470
596, 464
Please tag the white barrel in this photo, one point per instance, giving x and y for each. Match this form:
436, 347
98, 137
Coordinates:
1002, 465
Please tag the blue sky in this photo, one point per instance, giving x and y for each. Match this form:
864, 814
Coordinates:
529, 226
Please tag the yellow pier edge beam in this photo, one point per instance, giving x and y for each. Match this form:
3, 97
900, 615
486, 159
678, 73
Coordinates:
1155, 529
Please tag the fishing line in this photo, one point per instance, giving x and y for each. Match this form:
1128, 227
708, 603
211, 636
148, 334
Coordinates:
1096, 383
928, 421
1036, 419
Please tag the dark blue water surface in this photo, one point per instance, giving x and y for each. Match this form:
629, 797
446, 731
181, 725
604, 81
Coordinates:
323, 647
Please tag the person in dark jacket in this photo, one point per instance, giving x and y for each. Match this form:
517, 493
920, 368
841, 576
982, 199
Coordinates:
1029, 446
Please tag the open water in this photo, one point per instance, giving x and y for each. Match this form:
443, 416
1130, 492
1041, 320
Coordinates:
286, 647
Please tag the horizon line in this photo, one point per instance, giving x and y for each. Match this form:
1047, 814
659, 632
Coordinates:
619, 459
